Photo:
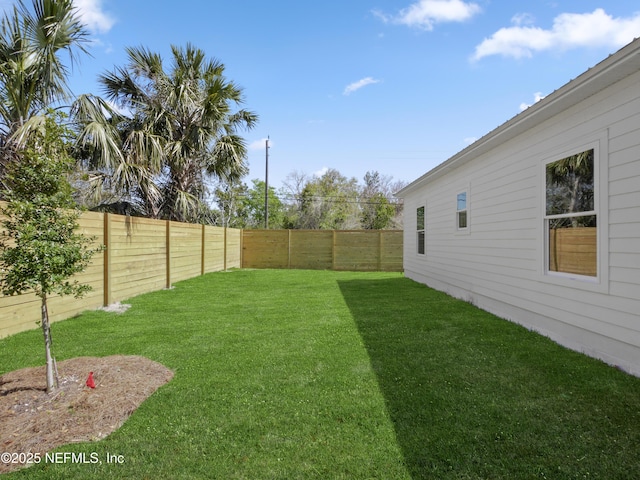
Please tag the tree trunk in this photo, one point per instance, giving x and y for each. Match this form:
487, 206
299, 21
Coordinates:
46, 330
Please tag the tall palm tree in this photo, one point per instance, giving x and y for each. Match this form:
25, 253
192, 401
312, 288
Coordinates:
33, 75
178, 129
570, 184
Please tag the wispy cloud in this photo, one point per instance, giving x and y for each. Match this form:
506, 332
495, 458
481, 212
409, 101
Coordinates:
536, 98
260, 144
569, 30
321, 172
352, 87
93, 16
425, 14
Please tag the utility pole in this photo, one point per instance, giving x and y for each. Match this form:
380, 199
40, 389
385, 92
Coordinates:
266, 185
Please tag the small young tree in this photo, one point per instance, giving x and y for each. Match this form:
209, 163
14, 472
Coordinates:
40, 249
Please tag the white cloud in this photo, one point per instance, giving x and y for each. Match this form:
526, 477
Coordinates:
570, 30
321, 172
92, 15
523, 19
470, 140
260, 144
426, 13
352, 87
536, 98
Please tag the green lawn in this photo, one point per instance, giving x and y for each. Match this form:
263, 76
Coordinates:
329, 375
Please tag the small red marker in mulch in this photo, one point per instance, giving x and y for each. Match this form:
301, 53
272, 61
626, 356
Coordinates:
90, 382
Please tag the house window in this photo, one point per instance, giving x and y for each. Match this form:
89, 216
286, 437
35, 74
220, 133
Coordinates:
420, 222
462, 216
570, 218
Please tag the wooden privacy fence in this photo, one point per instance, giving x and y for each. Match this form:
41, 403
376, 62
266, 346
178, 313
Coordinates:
574, 250
358, 250
142, 255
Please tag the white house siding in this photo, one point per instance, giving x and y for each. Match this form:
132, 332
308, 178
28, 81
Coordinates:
499, 263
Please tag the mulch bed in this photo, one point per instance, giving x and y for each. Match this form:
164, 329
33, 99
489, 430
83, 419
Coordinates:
31, 421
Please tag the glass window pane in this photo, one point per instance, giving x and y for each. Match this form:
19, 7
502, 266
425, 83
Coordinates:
421, 242
462, 201
573, 245
462, 219
570, 184
420, 218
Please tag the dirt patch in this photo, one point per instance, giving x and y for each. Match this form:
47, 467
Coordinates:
33, 422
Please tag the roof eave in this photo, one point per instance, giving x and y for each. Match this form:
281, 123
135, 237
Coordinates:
614, 68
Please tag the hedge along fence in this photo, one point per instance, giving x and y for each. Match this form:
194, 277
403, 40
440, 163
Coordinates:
355, 250
142, 255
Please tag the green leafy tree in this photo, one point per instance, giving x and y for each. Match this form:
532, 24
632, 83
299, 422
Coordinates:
229, 198
33, 75
40, 249
254, 205
329, 202
376, 212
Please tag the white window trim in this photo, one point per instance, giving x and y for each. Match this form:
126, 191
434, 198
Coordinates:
464, 230
424, 230
599, 283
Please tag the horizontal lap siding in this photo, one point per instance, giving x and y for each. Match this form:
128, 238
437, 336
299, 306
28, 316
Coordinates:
499, 263
624, 203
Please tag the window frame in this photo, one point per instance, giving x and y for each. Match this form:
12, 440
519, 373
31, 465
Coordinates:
465, 210
421, 231
598, 283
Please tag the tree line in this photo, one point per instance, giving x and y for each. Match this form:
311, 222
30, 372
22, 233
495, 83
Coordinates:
327, 201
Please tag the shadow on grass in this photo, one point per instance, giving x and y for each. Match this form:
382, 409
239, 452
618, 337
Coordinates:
474, 396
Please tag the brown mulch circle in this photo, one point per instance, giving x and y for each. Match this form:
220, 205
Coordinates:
33, 422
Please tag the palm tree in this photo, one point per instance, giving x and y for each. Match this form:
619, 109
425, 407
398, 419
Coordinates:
570, 184
32, 73
179, 128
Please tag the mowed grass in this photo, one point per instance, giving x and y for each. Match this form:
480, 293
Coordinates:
330, 375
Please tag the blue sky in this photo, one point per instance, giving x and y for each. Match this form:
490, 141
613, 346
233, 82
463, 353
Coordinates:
396, 86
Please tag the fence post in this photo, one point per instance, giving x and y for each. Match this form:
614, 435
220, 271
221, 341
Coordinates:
224, 249
241, 248
379, 250
333, 251
202, 249
106, 268
289, 249
168, 252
